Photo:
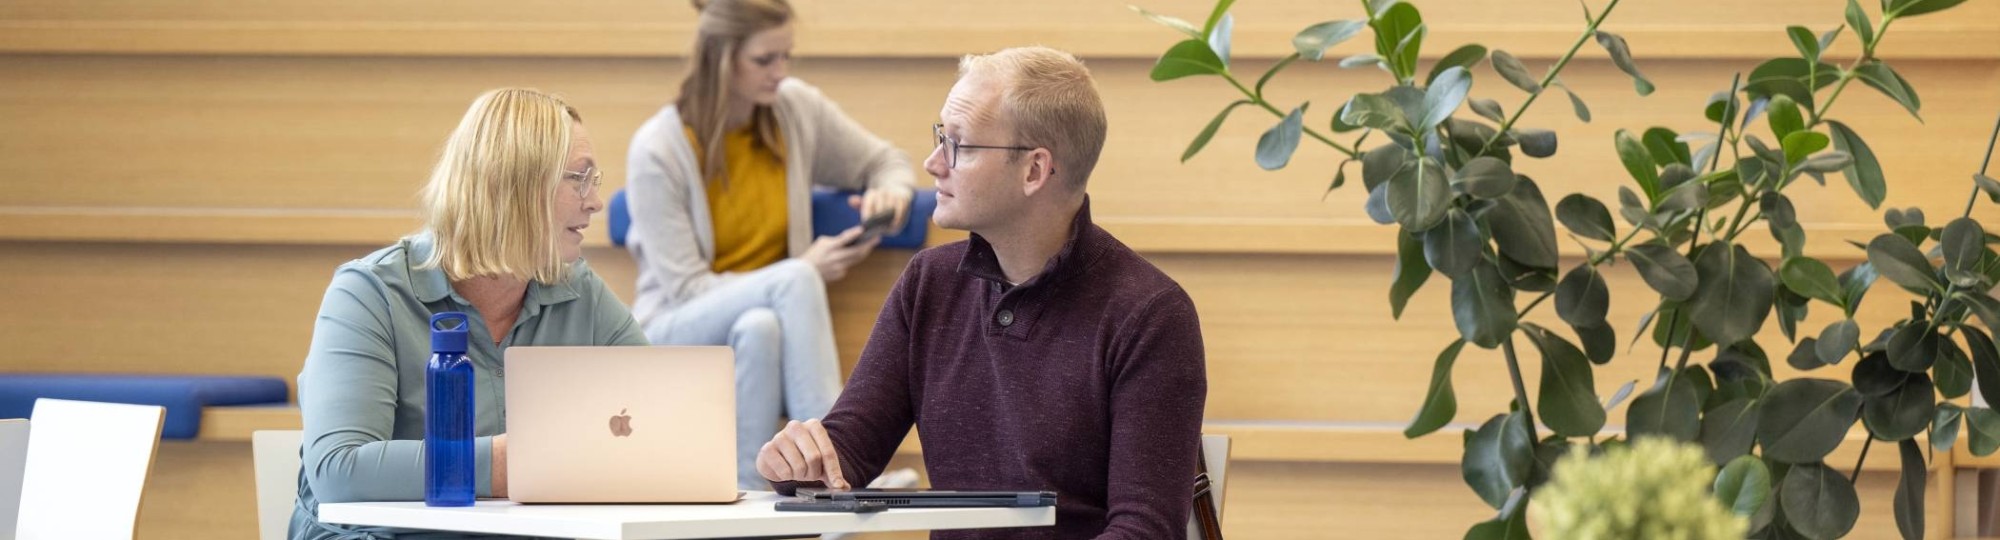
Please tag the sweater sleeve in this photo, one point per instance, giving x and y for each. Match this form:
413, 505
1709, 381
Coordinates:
1159, 389
875, 412
845, 154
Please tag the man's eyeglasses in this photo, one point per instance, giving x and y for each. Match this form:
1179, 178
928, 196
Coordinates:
953, 145
587, 180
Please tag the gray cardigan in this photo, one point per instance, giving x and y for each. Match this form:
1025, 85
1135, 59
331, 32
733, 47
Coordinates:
672, 235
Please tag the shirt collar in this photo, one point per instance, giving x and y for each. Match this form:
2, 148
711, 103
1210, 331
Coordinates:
980, 261
431, 285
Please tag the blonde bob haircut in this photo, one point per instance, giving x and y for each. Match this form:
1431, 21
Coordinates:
491, 198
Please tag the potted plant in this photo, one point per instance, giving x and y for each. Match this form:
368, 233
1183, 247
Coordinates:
1446, 180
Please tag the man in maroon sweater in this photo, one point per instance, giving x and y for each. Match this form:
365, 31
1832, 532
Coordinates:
1041, 354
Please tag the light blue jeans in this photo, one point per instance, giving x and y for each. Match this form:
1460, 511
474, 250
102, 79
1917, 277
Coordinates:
777, 322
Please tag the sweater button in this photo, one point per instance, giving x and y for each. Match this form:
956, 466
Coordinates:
1006, 318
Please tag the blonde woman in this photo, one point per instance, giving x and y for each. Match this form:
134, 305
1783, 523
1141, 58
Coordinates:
720, 185
502, 242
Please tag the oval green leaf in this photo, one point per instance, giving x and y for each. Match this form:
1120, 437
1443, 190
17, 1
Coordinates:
1187, 58
1313, 41
1734, 296
1568, 401
1811, 278
1670, 409
1837, 340
1805, 419
1482, 306
1728, 430
1275, 147
1582, 299
1485, 177
1665, 270
1440, 403
1901, 414
1744, 485
1411, 271
1863, 173
1497, 458
1897, 259
1586, 217
1523, 227
1818, 501
1453, 247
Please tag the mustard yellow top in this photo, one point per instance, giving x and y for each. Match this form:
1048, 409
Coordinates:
747, 202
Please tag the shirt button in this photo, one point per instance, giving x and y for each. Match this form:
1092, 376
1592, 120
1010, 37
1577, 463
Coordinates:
1006, 318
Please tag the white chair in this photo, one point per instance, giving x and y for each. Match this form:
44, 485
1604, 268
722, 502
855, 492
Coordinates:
13, 462
1216, 449
277, 461
86, 469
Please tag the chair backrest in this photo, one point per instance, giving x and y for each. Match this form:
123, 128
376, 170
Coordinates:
617, 218
831, 215
13, 462
277, 461
86, 469
1215, 450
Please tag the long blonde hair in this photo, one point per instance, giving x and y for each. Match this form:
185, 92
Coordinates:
705, 93
491, 198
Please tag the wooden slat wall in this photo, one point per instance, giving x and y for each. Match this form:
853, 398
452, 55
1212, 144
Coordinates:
183, 175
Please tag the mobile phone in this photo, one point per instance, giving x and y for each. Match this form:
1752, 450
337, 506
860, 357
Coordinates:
874, 227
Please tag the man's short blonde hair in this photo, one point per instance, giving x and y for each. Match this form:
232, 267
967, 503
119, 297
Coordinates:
1050, 101
491, 198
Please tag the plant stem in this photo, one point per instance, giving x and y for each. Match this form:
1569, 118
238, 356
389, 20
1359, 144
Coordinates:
1673, 326
1259, 100
1982, 167
1863, 459
1728, 112
1847, 75
1520, 388
1549, 78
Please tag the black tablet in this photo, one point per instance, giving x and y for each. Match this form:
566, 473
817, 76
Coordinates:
864, 500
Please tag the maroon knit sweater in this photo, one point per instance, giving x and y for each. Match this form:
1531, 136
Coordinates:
1087, 380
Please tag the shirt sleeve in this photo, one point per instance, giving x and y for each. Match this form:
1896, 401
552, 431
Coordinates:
1159, 389
347, 399
610, 319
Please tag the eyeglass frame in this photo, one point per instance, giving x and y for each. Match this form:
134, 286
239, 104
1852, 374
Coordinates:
938, 136
589, 179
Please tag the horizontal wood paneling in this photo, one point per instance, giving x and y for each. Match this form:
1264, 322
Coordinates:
333, 150
910, 28
1289, 337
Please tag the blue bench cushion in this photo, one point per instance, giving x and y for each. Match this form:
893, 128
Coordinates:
831, 215
183, 395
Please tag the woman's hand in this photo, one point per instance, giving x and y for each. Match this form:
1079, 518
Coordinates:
874, 201
832, 256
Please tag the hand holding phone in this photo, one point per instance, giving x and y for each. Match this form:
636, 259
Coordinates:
874, 227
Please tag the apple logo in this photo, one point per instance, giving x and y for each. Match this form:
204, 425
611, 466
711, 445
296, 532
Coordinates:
621, 425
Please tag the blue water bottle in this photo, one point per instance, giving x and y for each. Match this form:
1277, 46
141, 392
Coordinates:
448, 463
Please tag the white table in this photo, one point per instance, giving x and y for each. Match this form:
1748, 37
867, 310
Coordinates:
752, 516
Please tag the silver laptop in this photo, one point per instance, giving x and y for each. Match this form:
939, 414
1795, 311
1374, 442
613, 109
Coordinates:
621, 424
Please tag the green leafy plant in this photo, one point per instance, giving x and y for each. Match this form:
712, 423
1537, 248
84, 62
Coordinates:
1655, 488
1447, 182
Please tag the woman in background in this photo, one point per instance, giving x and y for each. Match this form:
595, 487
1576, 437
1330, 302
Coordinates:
720, 186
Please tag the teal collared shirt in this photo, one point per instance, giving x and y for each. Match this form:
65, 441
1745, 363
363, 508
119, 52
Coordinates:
362, 391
